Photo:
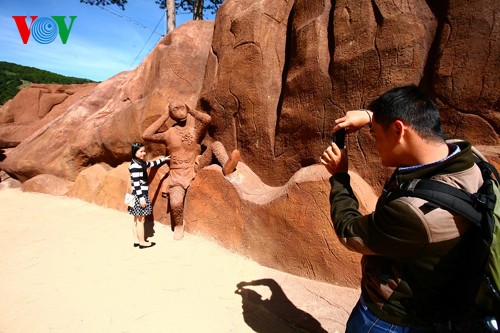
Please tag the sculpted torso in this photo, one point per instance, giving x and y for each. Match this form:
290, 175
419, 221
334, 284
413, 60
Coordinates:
182, 146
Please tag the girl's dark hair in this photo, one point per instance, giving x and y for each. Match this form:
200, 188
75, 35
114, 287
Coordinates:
135, 147
412, 106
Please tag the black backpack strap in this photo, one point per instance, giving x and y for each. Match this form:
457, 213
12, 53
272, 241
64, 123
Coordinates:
487, 170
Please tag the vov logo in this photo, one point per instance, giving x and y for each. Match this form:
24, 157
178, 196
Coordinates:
44, 30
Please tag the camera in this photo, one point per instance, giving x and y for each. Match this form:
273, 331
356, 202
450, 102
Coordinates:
339, 138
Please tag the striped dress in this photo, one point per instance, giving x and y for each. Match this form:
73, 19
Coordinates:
140, 186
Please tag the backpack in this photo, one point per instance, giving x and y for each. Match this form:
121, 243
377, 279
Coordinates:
483, 210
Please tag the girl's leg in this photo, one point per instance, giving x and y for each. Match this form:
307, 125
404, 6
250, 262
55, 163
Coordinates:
134, 231
139, 229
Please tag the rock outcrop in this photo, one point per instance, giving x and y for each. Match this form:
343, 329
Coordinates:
101, 126
48, 184
36, 106
273, 75
287, 227
280, 72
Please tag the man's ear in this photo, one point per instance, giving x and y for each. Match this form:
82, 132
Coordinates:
399, 129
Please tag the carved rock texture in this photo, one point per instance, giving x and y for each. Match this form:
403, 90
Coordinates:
286, 227
280, 73
34, 107
274, 75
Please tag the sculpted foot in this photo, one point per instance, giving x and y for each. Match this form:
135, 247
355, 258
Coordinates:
179, 232
230, 165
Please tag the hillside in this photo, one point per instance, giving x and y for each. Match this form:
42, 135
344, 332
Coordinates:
13, 77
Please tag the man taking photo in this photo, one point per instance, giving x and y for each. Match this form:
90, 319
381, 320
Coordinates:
415, 273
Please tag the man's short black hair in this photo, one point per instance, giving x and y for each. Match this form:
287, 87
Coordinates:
411, 105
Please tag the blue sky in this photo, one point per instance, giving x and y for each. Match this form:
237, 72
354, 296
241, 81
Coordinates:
101, 43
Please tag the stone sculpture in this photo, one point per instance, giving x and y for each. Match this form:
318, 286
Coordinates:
182, 141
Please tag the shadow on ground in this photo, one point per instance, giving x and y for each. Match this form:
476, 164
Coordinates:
276, 314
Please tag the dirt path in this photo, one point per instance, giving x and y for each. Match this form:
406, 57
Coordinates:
69, 266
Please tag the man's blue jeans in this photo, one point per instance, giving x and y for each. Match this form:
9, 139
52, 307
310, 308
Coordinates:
362, 320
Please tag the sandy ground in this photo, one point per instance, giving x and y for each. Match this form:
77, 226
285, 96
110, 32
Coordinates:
69, 266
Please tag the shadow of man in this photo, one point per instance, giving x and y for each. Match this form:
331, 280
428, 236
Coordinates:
276, 314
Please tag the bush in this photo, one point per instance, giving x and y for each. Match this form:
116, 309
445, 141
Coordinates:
12, 77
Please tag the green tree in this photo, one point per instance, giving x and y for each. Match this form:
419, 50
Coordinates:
13, 77
197, 7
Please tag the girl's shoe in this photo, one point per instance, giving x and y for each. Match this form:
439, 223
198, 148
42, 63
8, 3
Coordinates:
146, 246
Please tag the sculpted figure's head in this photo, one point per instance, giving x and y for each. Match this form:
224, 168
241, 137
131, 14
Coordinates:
177, 111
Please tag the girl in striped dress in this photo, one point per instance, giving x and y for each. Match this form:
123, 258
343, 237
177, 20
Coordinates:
140, 187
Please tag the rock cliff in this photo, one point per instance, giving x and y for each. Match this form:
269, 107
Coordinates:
273, 75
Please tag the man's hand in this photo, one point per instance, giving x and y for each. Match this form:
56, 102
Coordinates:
334, 159
354, 120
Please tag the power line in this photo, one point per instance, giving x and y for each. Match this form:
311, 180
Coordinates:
161, 19
131, 20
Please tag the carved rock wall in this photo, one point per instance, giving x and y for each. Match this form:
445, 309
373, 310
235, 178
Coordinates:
286, 227
243, 80
466, 80
332, 60
34, 107
273, 75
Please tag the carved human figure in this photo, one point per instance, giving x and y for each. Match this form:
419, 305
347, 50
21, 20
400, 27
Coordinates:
182, 141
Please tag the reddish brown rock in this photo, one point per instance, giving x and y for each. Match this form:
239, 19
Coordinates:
286, 227
48, 184
161, 210
278, 73
6, 114
101, 127
88, 182
7, 181
36, 106
243, 80
111, 191
325, 68
466, 74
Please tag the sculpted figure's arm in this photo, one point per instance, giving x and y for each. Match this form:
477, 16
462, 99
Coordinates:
150, 132
203, 118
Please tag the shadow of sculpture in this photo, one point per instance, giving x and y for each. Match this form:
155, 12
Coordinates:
277, 314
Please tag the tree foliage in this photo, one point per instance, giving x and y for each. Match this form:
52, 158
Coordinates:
197, 7
12, 77
119, 3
